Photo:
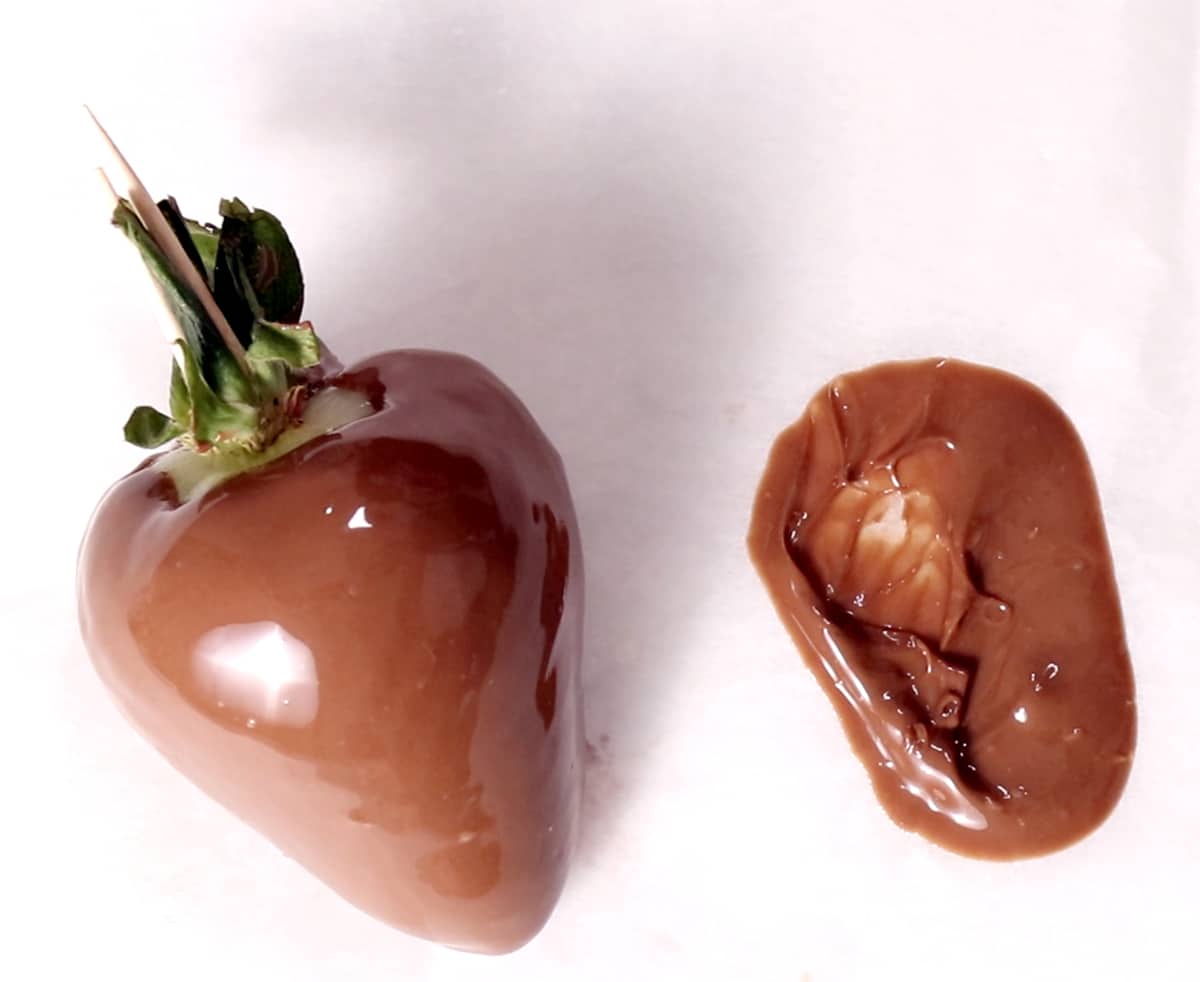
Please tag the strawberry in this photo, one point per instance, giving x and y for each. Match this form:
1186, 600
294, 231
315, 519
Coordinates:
347, 604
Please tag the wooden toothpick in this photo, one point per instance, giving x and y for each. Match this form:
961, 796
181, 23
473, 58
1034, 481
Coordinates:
146, 210
170, 326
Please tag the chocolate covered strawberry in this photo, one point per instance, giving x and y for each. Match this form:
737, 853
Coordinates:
345, 603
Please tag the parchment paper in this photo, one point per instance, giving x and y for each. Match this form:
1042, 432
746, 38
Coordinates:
664, 225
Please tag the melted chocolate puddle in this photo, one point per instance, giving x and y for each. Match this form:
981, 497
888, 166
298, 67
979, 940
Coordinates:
932, 538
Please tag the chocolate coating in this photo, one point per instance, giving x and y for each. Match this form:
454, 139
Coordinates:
369, 649
931, 536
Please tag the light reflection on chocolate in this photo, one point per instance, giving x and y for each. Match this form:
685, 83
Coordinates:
259, 672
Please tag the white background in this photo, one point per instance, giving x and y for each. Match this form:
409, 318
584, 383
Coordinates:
665, 225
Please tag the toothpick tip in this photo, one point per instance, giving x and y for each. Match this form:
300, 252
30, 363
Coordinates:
160, 232
97, 124
106, 185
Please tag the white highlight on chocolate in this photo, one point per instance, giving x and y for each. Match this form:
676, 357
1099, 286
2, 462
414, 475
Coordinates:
261, 671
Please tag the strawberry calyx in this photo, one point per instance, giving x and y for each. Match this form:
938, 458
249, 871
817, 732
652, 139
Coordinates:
224, 401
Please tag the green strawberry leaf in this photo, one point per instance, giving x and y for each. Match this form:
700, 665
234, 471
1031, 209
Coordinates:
257, 274
212, 418
199, 334
148, 428
230, 383
294, 344
206, 239
181, 402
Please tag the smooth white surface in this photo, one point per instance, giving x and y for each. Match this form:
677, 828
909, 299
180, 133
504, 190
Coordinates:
665, 225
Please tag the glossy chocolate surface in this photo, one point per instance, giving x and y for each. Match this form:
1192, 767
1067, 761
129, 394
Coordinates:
932, 538
369, 649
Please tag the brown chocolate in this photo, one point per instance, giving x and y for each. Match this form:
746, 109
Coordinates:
931, 536
369, 649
